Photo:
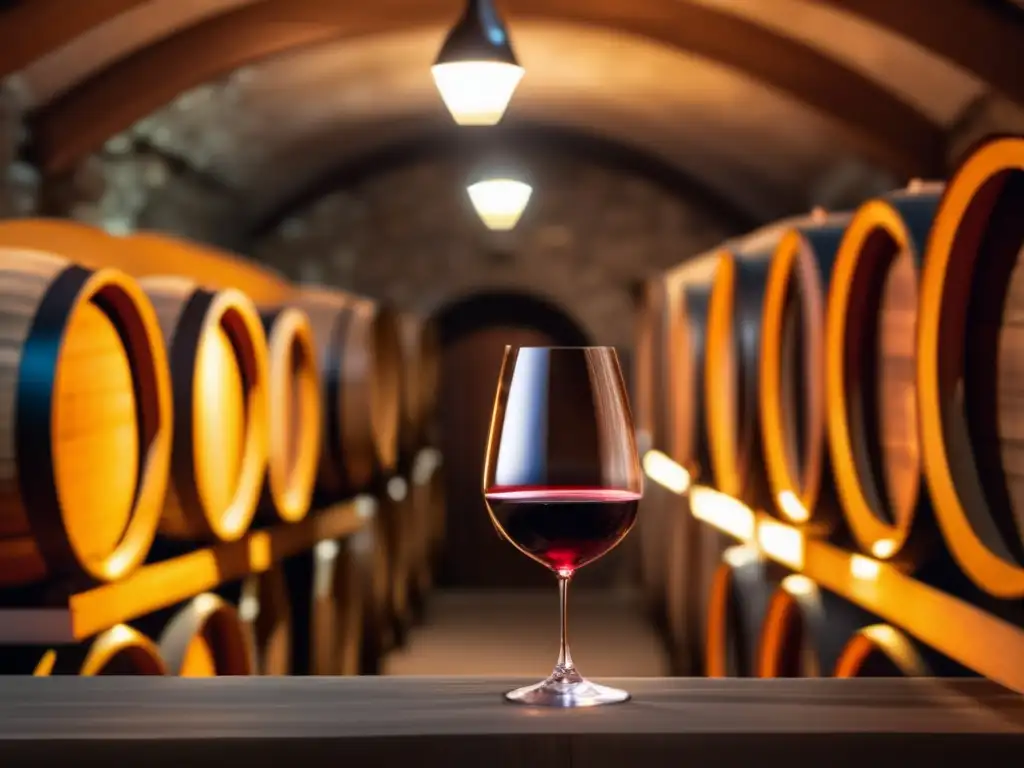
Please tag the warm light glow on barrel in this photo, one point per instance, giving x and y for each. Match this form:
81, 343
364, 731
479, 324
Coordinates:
664, 471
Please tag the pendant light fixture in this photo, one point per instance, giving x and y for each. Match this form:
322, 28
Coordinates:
476, 71
500, 201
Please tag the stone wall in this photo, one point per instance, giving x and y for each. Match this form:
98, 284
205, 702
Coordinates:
410, 236
19, 182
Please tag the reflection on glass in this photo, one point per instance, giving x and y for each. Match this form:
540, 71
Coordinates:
562, 479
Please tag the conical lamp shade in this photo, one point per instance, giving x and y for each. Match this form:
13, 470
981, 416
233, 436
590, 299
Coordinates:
476, 71
500, 202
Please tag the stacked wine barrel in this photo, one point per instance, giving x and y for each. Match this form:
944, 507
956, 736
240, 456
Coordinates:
859, 376
158, 396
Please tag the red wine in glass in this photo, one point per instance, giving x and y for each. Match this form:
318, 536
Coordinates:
562, 480
563, 528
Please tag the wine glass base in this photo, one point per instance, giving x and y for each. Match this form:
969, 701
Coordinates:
554, 692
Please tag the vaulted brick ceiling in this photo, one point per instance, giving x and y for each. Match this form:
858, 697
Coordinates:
764, 102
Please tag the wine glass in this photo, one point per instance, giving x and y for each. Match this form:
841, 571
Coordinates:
562, 480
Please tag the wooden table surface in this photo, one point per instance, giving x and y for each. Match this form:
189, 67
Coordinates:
464, 721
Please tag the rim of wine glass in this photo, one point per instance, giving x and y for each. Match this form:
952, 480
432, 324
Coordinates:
598, 347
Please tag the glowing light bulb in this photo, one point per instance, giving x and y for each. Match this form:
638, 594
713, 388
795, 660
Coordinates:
476, 70
500, 202
477, 92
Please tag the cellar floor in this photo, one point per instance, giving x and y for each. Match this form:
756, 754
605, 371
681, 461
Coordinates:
516, 633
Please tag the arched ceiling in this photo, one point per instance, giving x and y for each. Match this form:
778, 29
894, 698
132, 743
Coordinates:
757, 99
113, 99
272, 128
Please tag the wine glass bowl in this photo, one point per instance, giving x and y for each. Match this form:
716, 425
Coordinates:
563, 528
562, 479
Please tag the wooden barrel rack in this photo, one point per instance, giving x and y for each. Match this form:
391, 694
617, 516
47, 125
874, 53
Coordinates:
862, 399
159, 391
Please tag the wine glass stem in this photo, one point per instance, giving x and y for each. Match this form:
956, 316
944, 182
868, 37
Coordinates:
565, 667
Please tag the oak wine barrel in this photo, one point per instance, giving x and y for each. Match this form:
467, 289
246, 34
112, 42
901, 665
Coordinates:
81, 243
155, 253
691, 550
414, 536
870, 374
218, 355
805, 630
295, 421
649, 396
206, 638
738, 603
438, 504
734, 346
394, 514
422, 482
421, 372
791, 396
695, 551
651, 419
146, 254
690, 286
265, 609
970, 366
292, 378
880, 650
120, 650
292, 385
359, 354
85, 420
337, 616
372, 557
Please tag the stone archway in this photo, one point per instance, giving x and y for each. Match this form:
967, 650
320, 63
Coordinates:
504, 308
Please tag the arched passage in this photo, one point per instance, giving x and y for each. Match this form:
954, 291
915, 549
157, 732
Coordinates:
508, 309
474, 331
